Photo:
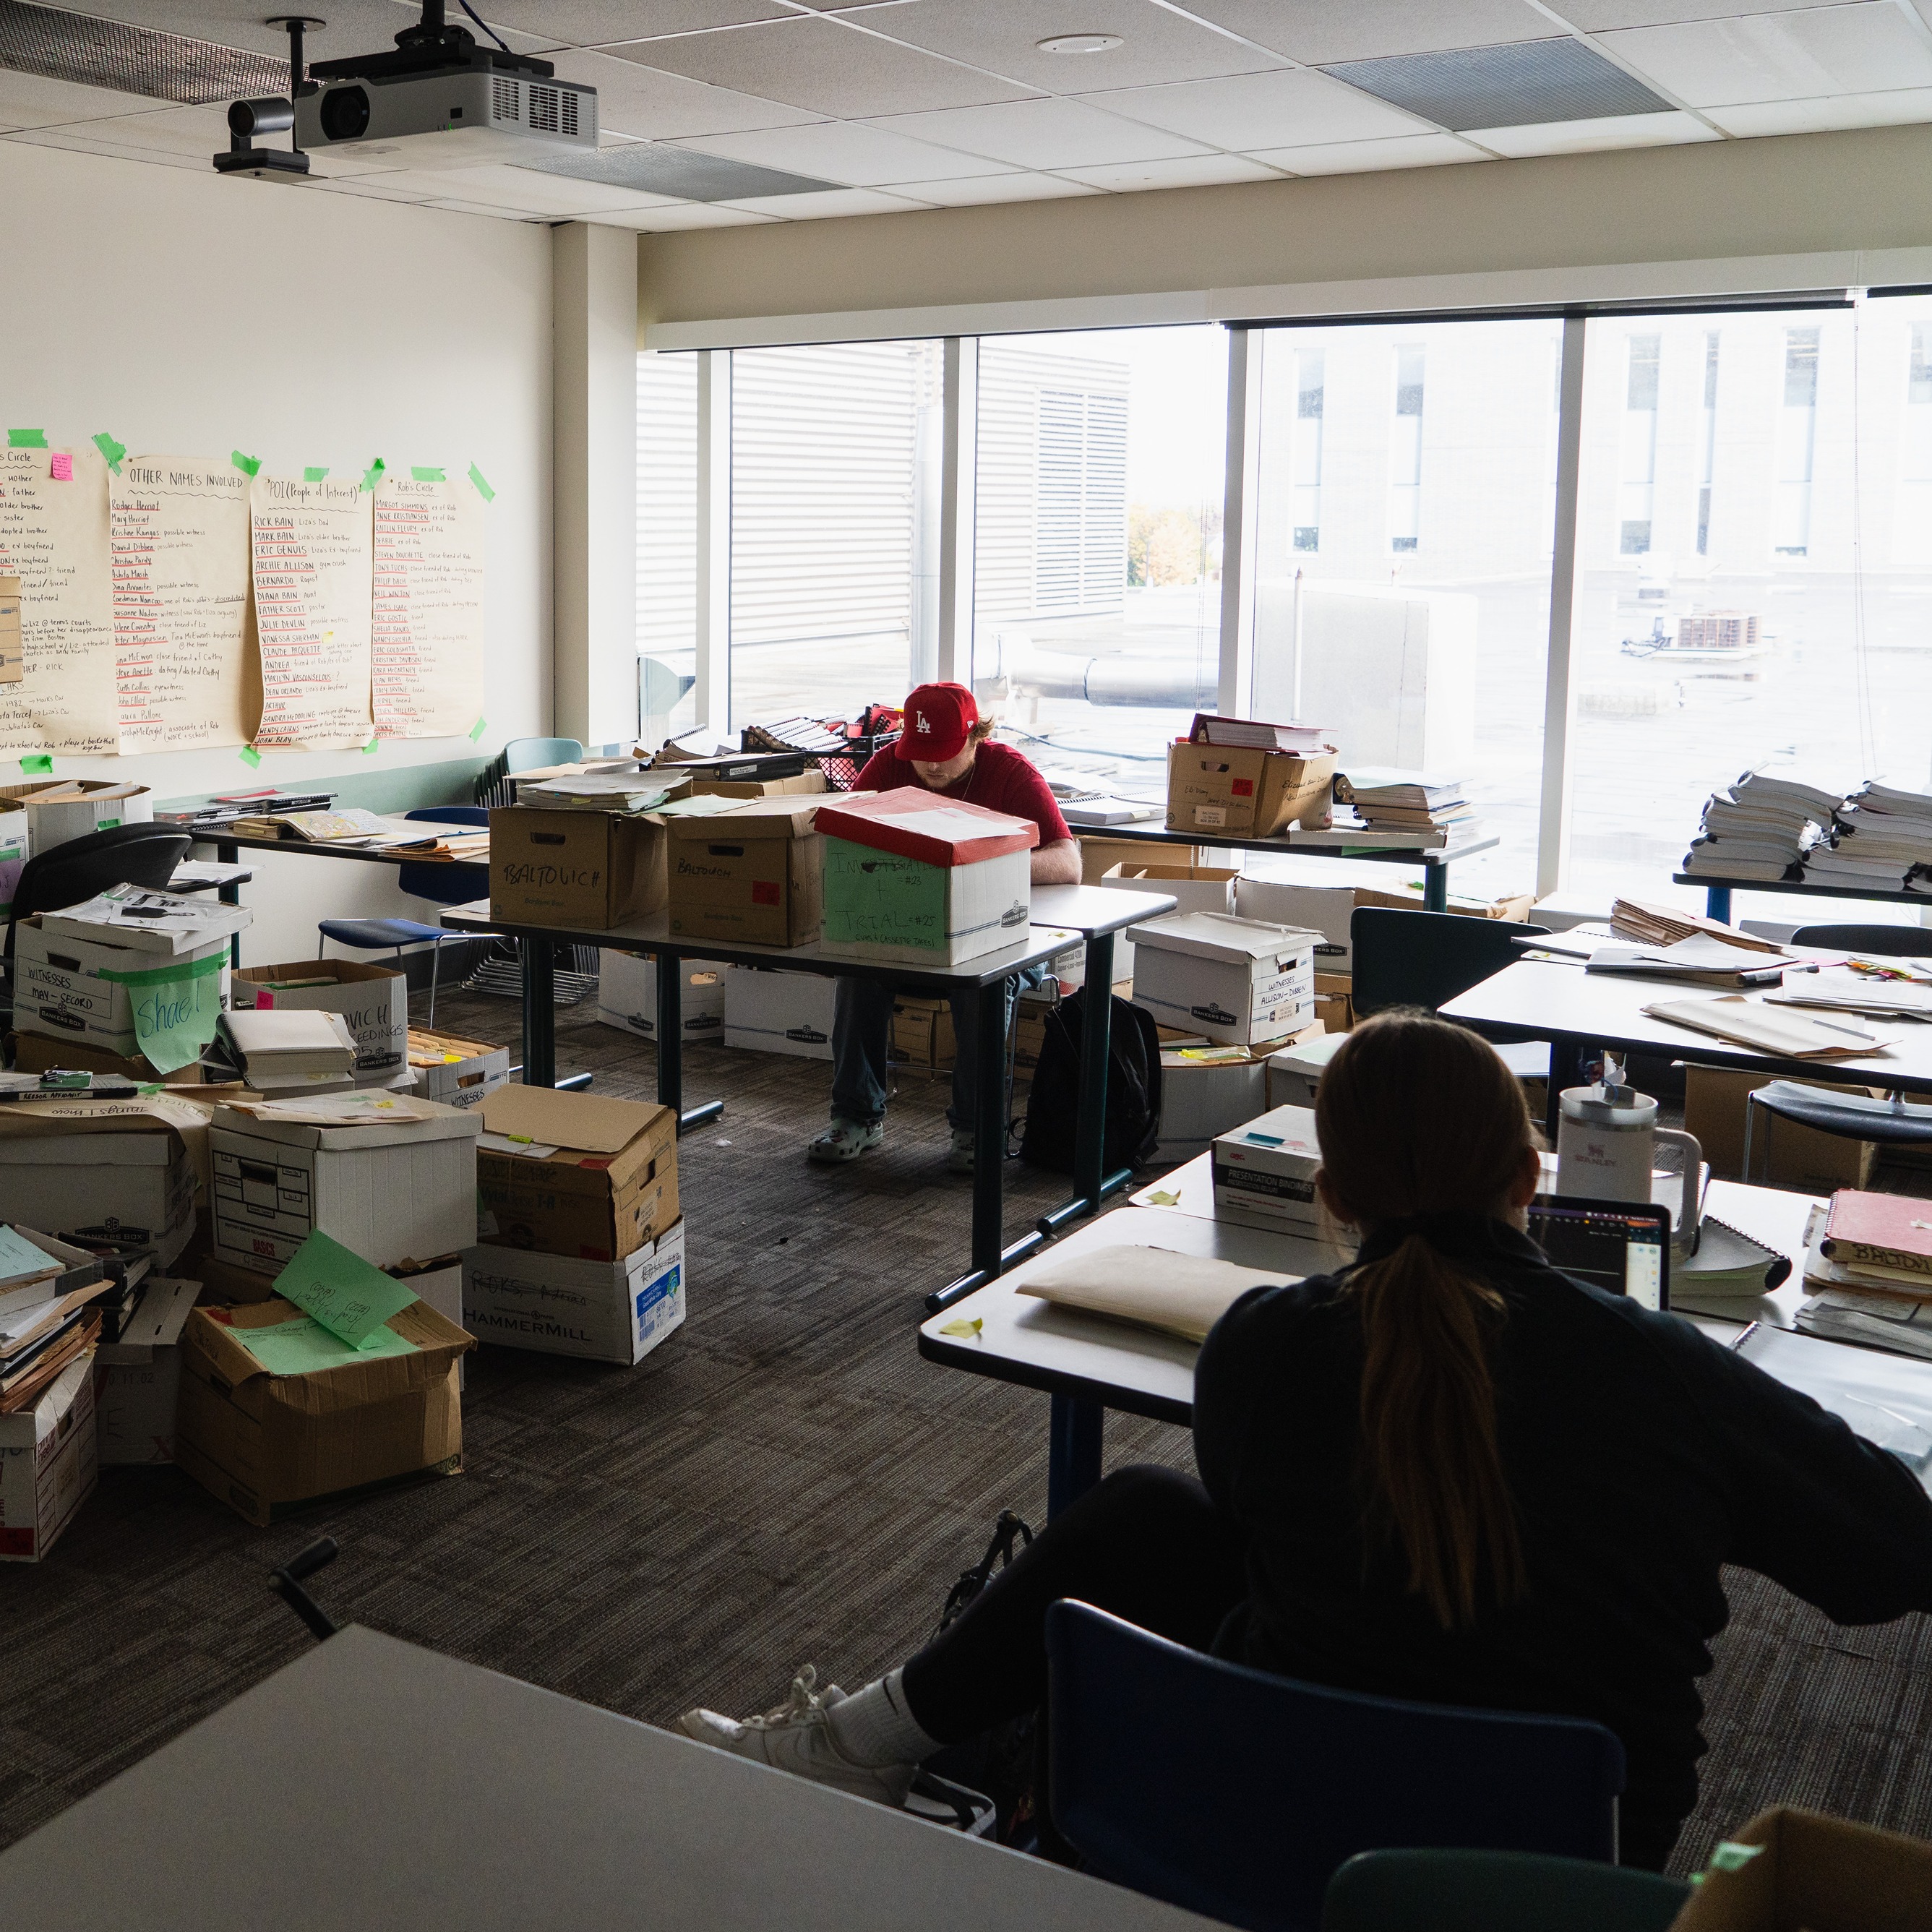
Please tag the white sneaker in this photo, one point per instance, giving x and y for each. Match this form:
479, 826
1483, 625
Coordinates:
796, 1738
959, 1155
845, 1140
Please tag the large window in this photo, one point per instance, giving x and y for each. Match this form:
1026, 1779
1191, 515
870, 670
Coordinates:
667, 528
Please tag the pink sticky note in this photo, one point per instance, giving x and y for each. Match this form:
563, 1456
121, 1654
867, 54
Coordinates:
62, 471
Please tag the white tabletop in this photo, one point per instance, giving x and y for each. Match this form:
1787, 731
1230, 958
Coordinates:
1545, 998
1088, 910
373, 1785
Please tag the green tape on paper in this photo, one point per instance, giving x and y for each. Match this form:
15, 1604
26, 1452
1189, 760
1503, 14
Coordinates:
374, 474
300, 1347
175, 1007
250, 756
369, 750
426, 475
313, 476
880, 899
488, 495
249, 466
349, 1297
26, 439
476, 730
112, 450
38, 764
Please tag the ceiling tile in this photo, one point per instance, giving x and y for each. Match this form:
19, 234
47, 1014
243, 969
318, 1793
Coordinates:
355, 27
27, 101
1262, 110
817, 62
1003, 35
844, 150
685, 214
590, 23
822, 207
1193, 171
1352, 157
1322, 30
1890, 109
483, 209
200, 132
1046, 134
1510, 86
496, 185
654, 107
97, 137
1595, 16
369, 187
981, 190
1795, 56
1579, 137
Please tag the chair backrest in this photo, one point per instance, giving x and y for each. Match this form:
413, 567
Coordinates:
531, 755
70, 874
438, 880
1910, 942
1419, 958
1238, 1794
1496, 1891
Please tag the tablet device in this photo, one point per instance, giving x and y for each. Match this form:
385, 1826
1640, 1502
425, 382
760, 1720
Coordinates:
1623, 1247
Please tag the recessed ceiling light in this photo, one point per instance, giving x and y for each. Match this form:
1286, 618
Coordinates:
1079, 43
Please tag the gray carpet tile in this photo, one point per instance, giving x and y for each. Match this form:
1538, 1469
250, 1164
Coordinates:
783, 1481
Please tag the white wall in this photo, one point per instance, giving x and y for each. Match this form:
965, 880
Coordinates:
188, 315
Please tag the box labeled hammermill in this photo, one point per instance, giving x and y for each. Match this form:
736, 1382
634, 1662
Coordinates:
560, 1305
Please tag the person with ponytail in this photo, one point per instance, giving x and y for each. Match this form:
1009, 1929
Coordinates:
1446, 1472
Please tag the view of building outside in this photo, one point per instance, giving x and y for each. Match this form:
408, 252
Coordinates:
1755, 567
1101, 463
1405, 505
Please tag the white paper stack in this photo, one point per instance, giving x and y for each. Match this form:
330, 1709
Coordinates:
149, 921
1881, 837
1760, 828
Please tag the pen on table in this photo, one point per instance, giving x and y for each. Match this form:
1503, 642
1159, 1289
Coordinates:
1857, 1033
1750, 1329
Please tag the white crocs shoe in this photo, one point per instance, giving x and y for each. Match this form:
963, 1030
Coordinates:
845, 1140
959, 1155
796, 1738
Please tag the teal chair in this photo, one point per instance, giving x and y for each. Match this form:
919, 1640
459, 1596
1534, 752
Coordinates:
1495, 1891
533, 754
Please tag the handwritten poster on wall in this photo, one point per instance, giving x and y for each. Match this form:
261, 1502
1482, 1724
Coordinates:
177, 536
53, 537
312, 563
426, 647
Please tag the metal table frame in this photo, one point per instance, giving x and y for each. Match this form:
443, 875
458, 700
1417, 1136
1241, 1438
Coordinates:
1717, 894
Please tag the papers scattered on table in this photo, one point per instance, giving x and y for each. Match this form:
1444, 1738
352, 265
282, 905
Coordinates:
1701, 959
358, 1109
1152, 1288
1845, 992
352, 825
1665, 924
1878, 1321
1753, 1024
1886, 1401
1108, 811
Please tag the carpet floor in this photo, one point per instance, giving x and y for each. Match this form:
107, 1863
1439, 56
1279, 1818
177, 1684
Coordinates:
783, 1481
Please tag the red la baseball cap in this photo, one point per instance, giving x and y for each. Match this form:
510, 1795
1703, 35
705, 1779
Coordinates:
938, 719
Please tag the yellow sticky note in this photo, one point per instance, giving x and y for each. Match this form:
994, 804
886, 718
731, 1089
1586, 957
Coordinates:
1163, 1200
965, 1328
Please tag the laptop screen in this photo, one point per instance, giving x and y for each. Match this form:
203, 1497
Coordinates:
1611, 1244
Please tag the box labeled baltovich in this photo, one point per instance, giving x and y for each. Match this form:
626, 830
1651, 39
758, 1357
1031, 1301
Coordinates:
1268, 1167
605, 1311
1236, 980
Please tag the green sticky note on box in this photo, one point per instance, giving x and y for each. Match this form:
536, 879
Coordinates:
873, 897
352, 1298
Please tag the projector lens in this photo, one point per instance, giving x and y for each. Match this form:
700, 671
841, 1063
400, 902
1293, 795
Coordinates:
345, 114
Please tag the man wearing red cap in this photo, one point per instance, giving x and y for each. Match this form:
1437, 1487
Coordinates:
947, 747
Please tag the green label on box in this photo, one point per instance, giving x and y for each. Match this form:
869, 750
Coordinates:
301, 1346
879, 898
175, 1007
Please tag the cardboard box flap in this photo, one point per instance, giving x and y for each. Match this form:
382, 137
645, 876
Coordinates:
1812, 1874
915, 823
781, 817
588, 1123
213, 1334
1214, 935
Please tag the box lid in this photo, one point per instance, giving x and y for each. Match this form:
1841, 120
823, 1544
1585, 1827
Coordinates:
1308, 1056
1284, 1133
1216, 935
412, 1119
586, 1123
915, 823
781, 817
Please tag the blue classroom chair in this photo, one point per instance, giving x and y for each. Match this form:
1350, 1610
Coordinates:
1237, 1794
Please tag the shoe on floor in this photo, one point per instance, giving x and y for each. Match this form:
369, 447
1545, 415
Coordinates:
796, 1738
959, 1155
845, 1140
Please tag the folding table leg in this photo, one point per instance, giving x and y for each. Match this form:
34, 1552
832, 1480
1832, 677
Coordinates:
1074, 1435
670, 1046
1435, 888
539, 975
1090, 1138
989, 1124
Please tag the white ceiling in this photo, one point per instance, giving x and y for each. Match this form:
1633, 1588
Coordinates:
907, 104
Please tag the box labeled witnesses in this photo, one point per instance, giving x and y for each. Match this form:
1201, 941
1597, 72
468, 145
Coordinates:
48, 1464
771, 1011
457, 1072
915, 878
119, 1000
627, 995
137, 1379
605, 1311
268, 1437
575, 1174
1236, 980
391, 1190
373, 1002
754, 874
1224, 788
1267, 1167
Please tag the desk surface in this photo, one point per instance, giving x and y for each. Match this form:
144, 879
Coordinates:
307, 848
1546, 998
373, 1784
1159, 835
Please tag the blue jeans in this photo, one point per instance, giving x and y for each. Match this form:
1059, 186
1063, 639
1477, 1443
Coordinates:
861, 1024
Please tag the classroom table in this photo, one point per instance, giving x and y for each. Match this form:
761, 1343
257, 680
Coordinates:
1576, 1011
1435, 864
1088, 1365
1063, 914
1717, 894
371, 1783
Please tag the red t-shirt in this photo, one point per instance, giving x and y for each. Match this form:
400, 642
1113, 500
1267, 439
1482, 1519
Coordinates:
999, 778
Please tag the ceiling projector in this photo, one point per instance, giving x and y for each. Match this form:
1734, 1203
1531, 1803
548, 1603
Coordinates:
440, 101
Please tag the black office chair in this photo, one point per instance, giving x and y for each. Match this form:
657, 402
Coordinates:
1424, 959
71, 874
1889, 1122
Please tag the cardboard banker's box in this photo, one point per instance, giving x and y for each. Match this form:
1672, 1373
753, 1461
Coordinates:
575, 1174
1268, 1166
1224, 788
118, 1000
137, 1379
1239, 981
605, 1311
48, 1464
266, 1443
592, 869
372, 1000
627, 995
754, 874
1789, 1871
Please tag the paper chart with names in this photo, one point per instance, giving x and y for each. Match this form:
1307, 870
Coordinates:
312, 591
178, 532
427, 651
53, 537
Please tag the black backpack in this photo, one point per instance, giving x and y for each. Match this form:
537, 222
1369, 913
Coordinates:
1133, 1088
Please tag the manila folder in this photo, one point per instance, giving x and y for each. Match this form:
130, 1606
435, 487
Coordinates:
1180, 1294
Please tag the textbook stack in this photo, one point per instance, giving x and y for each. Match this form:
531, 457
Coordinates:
1397, 811
1760, 828
1880, 837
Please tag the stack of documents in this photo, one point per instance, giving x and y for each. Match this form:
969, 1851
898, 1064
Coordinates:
453, 847
43, 1326
1651, 925
603, 791
1844, 990
280, 1048
1853, 1301
149, 921
1179, 1294
1761, 828
1251, 734
1769, 1029
1700, 959
351, 826
1881, 837
1405, 811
